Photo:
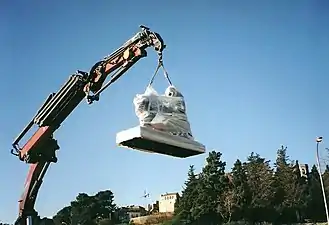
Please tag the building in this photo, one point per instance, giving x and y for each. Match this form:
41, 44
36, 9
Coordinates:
167, 202
303, 168
132, 211
229, 176
153, 208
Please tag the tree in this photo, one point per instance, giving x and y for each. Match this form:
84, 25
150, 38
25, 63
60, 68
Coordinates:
290, 189
315, 206
282, 159
260, 181
105, 222
213, 185
201, 196
88, 210
252, 191
82, 210
63, 215
240, 191
282, 176
301, 192
325, 178
184, 205
104, 204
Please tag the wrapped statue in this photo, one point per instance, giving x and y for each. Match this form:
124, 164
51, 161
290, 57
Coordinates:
163, 125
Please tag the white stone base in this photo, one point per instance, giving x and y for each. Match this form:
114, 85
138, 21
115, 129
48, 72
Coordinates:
154, 141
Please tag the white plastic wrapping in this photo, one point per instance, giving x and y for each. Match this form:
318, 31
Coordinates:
166, 112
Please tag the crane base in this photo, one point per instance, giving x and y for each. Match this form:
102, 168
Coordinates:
150, 140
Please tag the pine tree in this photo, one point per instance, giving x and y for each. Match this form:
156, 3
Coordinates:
290, 189
241, 191
325, 177
282, 176
260, 181
235, 198
301, 192
282, 158
212, 185
185, 204
315, 206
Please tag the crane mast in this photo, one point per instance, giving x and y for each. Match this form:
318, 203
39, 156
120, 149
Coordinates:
40, 149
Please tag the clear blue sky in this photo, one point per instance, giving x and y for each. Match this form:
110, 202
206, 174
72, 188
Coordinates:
255, 75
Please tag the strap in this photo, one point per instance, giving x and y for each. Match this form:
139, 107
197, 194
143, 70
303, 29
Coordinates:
165, 73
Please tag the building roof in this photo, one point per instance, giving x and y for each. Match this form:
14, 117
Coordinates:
170, 193
133, 208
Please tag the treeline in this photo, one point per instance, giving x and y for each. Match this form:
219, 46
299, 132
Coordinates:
90, 210
252, 192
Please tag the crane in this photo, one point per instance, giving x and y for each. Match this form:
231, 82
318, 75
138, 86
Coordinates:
39, 151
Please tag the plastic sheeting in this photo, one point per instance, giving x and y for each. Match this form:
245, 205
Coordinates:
165, 113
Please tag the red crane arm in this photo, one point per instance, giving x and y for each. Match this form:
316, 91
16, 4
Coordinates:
39, 151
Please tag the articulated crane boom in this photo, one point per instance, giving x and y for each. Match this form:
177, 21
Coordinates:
40, 150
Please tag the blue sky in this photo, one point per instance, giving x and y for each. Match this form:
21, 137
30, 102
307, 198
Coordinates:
254, 74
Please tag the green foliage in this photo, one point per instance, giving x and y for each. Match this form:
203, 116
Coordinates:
260, 182
183, 205
64, 215
106, 222
291, 189
85, 209
201, 196
252, 192
315, 201
239, 193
